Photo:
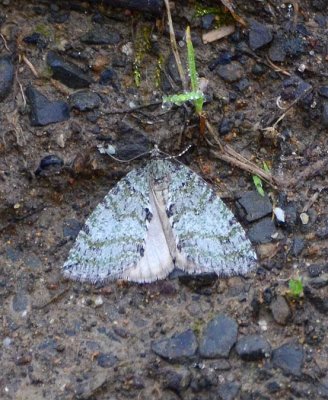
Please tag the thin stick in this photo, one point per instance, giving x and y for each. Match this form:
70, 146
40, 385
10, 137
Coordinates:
229, 155
175, 47
30, 65
4, 42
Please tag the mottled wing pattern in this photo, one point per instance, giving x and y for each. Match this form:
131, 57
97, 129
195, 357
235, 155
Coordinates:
113, 237
208, 236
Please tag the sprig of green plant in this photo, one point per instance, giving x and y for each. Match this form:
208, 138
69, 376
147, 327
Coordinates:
195, 95
258, 181
296, 287
142, 46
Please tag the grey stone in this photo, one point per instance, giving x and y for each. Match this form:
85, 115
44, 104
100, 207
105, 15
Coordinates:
66, 72
50, 163
317, 298
84, 100
231, 72
43, 111
280, 310
323, 91
324, 114
7, 72
100, 35
106, 360
298, 246
21, 302
289, 358
253, 206
259, 35
71, 228
178, 348
218, 337
262, 231
253, 348
177, 379
228, 391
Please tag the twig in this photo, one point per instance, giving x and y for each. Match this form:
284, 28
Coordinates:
4, 42
30, 65
52, 299
21, 89
175, 47
228, 154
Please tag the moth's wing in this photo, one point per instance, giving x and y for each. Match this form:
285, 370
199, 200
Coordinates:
208, 236
115, 238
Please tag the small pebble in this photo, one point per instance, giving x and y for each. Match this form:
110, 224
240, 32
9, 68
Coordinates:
304, 218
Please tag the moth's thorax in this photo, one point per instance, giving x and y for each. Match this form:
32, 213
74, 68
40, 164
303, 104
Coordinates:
159, 174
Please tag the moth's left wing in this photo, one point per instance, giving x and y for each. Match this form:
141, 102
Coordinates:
207, 234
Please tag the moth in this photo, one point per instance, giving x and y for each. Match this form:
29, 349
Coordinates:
156, 218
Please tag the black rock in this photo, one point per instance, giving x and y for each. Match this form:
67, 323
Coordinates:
280, 310
228, 391
198, 281
231, 72
225, 126
315, 270
84, 100
101, 35
51, 161
106, 360
66, 72
323, 91
207, 21
218, 337
258, 69
259, 35
298, 246
43, 111
179, 348
242, 85
324, 114
149, 6
262, 231
286, 45
71, 228
253, 206
36, 39
289, 358
177, 379
294, 88
225, 57
6, 76
21, 302
110, 77
273, 387
319, 301
253, 348
131, 142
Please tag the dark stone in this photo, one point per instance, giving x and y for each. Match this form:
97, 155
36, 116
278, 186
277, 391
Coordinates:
242, 85
7, 72
71, 228
286, 45
21, 302
262, 231
179, 348
294, 88
225, 126
66, 72
110, 77
14, 254
84, 100
36, 39
51, 161
323, 91
324, 114
177, 379
289, 358
319, 301
253, 348
198, 281
267, 295
258, 69
224, 58
231, 72
131, 142
319, 282
298, 246
253, 206
273, 387
228, 391
101, 35
207, 21
153, 7
218, 337
315, 270
290, 215
259, 35
280, 310
43, 111
106, 360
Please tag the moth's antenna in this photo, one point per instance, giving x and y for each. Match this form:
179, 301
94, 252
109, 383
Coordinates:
103, 150
157, 151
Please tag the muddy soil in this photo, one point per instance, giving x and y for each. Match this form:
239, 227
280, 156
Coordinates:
67, 340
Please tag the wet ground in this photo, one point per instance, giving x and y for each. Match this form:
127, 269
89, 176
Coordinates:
67, 85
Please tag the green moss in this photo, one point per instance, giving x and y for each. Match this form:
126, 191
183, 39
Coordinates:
44, 30
142, 46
